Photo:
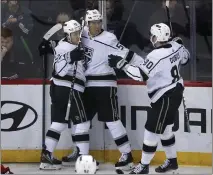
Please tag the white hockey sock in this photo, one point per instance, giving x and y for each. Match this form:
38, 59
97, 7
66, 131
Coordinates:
73, 134
53, 135
169, 147
119, 135
168, 142
149, 146
82, 137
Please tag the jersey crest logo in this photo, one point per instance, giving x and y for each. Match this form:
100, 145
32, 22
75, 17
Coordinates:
88, 54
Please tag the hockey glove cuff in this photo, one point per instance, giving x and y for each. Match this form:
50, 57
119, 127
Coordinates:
77, 55
116, 62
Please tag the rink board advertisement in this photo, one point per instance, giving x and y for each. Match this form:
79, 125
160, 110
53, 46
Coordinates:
21, 125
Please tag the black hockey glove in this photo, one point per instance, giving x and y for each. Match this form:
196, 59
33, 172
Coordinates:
116, 62
45, 47
178, 40
77, 55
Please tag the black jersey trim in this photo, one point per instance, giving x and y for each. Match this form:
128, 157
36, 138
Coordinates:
70, 79
129, 56
101, 43
145, 77
105, 44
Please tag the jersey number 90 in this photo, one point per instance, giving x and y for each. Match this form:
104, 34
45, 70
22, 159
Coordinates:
148, 64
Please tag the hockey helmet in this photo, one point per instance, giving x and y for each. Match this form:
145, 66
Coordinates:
85, 164
71, 27
161, 31
93, 15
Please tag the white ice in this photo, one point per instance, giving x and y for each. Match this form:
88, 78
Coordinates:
23, 168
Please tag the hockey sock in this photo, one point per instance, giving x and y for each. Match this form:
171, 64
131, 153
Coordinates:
53, 135
73, 134
119, 135
168, 142
149, 146
82, 137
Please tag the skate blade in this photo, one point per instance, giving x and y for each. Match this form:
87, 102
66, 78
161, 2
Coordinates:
47, 166
127, 167
68, 164
171, 171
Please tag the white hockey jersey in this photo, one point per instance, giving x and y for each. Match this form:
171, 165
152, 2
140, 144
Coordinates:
97, 49
63, 71
160, 68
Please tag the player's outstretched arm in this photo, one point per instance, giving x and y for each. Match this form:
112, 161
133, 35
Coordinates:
185, 53
132, 71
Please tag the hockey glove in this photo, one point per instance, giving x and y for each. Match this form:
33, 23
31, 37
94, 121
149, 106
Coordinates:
116, 62
77, 55
45, 47
178, 40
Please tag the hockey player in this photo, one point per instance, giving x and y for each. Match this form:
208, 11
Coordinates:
66, 53
160, 70
100, 95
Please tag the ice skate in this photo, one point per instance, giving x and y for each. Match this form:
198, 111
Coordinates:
125, 162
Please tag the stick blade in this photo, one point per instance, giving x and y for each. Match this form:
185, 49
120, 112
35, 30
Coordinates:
52, 31
167, 3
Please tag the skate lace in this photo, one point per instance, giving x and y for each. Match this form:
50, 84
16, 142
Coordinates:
74, 153
166, 163
138, 168
123, 157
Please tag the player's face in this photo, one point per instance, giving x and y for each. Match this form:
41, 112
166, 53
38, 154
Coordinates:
75, 37
7, 42
95, 27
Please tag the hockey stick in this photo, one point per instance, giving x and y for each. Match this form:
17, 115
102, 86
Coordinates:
46, 37
130, 15
169, 17
186, 114
68, 116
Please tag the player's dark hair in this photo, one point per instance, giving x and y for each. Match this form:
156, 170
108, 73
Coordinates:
5, 32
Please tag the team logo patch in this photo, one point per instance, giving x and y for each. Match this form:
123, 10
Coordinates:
88, 53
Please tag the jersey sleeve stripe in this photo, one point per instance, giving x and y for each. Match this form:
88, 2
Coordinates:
145, 77
133, 75
164, 58
105, 44
62, 68
70, 79
101, 43
129, 56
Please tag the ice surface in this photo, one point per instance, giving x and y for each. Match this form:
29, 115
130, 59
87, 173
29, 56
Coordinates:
23, 168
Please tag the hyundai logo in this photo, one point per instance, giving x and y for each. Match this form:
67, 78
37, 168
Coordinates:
22, 115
